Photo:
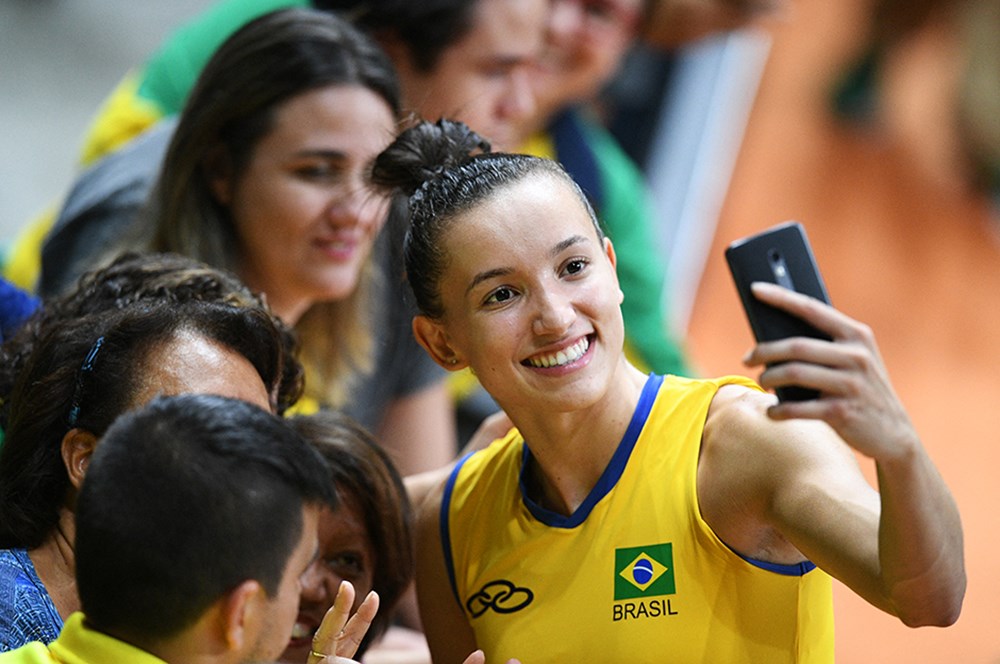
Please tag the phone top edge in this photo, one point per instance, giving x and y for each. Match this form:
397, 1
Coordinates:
770, 229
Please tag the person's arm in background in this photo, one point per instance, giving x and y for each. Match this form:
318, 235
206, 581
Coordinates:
418, 430
421, 485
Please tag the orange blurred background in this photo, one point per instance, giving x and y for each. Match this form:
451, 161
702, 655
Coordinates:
910, 252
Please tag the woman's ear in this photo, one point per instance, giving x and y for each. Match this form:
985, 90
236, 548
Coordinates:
219, 172
77, 447
431, 335
609, 251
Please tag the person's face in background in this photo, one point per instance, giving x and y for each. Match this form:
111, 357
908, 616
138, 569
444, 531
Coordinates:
190, 363
585, 42
304, 215
482, 80
282, 608
345, 553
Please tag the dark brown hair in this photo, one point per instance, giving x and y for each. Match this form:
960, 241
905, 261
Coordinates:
443, 169
362, 473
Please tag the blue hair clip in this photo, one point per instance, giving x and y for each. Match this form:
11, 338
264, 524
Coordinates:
85, 368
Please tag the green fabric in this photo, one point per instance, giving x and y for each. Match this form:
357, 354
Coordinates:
627, 218
172, 70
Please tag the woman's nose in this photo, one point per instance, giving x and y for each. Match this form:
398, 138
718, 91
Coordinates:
319, 584
357, 205
555, 315
520, 101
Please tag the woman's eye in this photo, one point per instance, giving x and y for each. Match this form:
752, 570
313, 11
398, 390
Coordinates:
500, 295
575, 266
499, 70
317, 172
346, 564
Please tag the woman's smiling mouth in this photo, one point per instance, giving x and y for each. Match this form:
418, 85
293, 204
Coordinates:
558, 359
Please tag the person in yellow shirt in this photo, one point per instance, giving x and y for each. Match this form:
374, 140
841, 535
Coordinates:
634, 517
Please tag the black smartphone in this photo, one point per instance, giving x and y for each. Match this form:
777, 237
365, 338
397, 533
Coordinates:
781, 255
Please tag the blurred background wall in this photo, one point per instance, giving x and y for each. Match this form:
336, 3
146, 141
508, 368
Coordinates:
58, 59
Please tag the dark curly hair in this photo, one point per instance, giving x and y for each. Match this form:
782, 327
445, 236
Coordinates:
148, 277
52, 393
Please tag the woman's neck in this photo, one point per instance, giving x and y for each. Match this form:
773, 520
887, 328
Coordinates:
289, 312
570, 451
55, 564
282, 304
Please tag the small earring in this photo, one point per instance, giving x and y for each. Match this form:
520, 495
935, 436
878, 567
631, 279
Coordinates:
453, 360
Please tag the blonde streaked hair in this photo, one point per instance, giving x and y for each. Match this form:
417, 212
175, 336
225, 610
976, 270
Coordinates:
269, 61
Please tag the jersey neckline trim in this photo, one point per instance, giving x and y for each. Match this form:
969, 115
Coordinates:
611, 473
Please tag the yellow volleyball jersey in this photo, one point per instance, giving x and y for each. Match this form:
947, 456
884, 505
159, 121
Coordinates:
634, 574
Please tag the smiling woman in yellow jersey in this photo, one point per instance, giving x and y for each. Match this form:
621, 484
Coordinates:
635, 569
633, 517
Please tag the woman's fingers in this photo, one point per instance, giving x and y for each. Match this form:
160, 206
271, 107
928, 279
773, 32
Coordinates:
340, 634
856, 398
819, 314
353, 633
325, 641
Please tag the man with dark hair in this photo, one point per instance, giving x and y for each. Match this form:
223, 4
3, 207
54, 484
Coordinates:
198, 516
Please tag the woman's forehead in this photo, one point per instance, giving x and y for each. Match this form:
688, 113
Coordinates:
532, 204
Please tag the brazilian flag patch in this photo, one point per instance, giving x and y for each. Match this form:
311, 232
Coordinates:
644, 571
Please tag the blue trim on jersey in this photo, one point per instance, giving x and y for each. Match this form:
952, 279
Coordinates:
797, 569
445, 531
610, 475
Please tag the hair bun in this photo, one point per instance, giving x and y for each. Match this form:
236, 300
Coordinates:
425, 151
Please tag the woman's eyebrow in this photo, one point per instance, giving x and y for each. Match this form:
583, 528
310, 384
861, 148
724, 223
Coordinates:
486, 275
566, 244
501, 271
332, 155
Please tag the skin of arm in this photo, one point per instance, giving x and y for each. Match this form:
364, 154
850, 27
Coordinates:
420, 485
780, 482
418, 430
449, 635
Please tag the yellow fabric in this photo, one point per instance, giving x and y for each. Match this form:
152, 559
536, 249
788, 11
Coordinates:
121, 118
79, 645
461, 384
306, 405
635, 575
540, 145
24, 262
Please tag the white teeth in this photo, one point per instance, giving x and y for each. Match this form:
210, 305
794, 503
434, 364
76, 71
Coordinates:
300, 631
566, 356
